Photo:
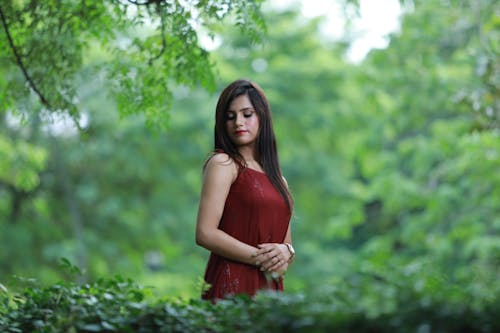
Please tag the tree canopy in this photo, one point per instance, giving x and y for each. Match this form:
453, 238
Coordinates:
145, 49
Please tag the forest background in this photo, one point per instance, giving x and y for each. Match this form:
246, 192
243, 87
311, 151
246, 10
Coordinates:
393, 161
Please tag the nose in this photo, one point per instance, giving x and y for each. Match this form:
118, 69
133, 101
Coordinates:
240, 119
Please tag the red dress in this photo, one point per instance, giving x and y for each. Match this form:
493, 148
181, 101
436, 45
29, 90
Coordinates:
254, 213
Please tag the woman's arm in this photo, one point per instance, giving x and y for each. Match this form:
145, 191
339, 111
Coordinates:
220, 172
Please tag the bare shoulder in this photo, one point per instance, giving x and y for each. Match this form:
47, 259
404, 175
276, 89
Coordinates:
221, 165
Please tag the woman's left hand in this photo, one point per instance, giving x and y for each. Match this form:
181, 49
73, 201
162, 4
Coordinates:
271, 256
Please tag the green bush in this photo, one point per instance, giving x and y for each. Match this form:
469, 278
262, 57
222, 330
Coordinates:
120, 305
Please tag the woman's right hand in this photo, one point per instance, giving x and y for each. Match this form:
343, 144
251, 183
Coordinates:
280, 271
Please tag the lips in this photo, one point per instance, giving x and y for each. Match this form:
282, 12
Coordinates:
241, 132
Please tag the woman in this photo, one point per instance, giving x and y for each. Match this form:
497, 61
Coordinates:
245, 206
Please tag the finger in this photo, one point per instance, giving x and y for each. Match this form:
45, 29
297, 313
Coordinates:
264, 250
266, 247
270, 258
265, 265
275, 267
266, 259
263, 259
272, 263
265, 253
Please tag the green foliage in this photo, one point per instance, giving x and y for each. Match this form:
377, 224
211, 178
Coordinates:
148, 47
393, 173
120, 305
107, 305
21, 163
393, 163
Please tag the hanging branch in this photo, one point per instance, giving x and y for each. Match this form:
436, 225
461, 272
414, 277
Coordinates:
20, 62
163, 39
148, 2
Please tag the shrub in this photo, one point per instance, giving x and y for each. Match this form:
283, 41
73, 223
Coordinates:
120, 305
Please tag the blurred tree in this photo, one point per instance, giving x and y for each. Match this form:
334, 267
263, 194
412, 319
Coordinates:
428, 160
131, 55
392, 162
392, 166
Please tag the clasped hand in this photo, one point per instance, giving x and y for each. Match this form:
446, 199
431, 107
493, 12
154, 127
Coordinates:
272, 257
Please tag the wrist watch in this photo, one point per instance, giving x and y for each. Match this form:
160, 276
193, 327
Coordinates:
291, 250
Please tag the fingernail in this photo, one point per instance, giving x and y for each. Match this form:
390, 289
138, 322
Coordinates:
257, 263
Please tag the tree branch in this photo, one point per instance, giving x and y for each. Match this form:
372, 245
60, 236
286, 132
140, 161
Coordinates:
137, 3
20, 63
163, 40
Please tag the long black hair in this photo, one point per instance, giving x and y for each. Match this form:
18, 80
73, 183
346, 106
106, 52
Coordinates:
267, 153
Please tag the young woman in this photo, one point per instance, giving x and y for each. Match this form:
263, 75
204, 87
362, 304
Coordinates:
245, 206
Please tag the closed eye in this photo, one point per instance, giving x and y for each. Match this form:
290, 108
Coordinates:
232, 115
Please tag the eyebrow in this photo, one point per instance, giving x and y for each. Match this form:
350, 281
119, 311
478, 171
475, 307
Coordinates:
242, 109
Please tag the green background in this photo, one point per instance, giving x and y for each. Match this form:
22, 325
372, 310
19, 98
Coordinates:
393, 162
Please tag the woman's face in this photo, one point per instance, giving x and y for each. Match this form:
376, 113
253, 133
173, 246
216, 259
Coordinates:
242, 122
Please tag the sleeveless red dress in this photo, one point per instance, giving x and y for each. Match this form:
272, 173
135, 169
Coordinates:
254, 213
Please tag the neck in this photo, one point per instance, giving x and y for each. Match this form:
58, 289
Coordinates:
248, 153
